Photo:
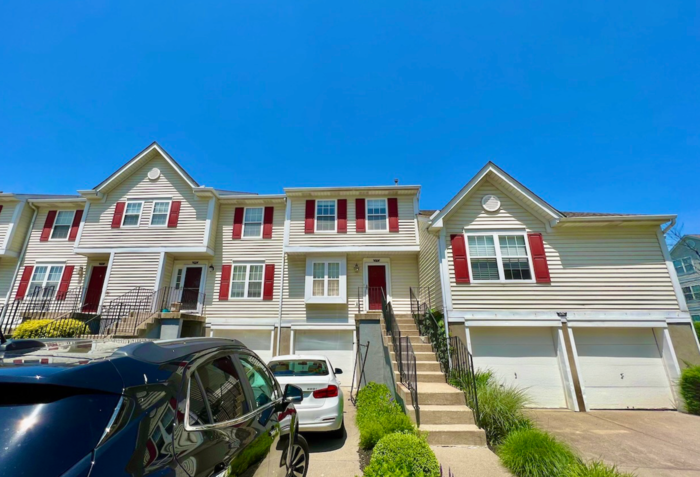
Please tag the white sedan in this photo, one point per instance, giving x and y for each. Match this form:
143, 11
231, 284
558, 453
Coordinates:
321, 410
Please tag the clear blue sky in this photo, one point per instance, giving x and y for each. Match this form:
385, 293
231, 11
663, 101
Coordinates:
595, 106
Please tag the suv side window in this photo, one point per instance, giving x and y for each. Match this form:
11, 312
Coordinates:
263, 384
216, 393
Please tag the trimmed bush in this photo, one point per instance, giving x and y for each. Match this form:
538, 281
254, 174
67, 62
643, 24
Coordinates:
690, 389
378, 414
49, 329
534, 453
594, 469
402, 454
696, 325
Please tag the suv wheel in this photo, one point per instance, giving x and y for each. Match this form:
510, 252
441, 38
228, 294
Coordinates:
300, 458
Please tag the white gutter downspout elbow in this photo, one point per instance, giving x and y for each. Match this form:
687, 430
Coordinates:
669, 226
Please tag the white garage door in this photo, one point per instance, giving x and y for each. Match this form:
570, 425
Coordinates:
523, 357
337, 346
622, 368
259, 341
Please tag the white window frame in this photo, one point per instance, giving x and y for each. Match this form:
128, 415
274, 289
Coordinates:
245, 296
386, 207
140, 213
342, 281
694, 296
153, 211
692, 266
335, 221
262, 224
48, 266
499, 257
53, 227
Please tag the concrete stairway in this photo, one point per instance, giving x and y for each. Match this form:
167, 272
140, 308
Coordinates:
443, 410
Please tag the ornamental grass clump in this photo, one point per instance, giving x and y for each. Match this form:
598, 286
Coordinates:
534, 453
690, 389
594, 469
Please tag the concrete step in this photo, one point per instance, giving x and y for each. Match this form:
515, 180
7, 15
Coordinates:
436, 414
423, 347
420, 366
406, 327
413, 339
425, 376
434, 393
454, 435
404, 333
420, 355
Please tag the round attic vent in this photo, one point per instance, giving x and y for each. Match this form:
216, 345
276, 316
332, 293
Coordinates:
491, 203
154, 173
691, 243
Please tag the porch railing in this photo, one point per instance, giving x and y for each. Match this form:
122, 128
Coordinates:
463, 371
372, 296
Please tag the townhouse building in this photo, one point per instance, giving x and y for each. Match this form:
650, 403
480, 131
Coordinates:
686, 260
584, 311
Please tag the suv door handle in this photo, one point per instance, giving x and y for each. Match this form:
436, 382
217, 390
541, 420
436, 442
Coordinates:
220, 466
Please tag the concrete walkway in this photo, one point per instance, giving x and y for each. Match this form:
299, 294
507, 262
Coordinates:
465, 461
647, 443
336, 457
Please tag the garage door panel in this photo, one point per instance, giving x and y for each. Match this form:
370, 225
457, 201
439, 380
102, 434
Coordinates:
503, 336
613, 336
632, 352
523, 374
259, 341
516, 351
623, 398
639, 376
337, 346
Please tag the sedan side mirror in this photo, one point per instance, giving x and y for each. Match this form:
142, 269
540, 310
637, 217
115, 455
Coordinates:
293, 394
338, 371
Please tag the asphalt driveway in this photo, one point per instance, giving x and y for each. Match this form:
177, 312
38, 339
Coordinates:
648, 443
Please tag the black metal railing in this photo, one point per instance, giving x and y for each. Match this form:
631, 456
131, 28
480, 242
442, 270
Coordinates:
359, 372
431, 324
405, 356
463, 372
185, 300
373, 297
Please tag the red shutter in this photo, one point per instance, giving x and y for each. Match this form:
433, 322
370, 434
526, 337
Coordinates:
48, 226
237, 223
269, 286
393, 205
225, 282
24, 282
360, 215
459, 258
310, 217
342, 216
75, 226
0, 209
174, 213
539, 258
118, 215
65, 282
267, 222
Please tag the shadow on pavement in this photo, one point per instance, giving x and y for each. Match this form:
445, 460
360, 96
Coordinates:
322, 442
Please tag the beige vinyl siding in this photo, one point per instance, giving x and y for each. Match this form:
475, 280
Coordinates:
168, 266
246, 250
405, 236
51, 251
7, 270
8, 210
591, 267
214, 235
131, 270
21, 229
98, 231
429, 265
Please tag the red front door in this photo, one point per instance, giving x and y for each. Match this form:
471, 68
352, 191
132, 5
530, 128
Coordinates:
94, 291
376, 282
190, 288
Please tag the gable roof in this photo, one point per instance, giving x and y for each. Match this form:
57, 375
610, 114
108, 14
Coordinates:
142, 156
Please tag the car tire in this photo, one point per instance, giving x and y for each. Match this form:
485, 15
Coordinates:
338, 433
300, 458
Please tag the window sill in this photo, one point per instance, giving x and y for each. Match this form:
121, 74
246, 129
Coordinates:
326, 300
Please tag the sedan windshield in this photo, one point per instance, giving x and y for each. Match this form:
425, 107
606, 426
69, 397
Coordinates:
299, 368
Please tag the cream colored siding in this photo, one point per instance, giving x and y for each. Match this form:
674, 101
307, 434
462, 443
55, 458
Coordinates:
405, 236
214, 235
51, 251
591, 267
8, 210
98, 231
7, 270
429, 266
21, 229
168, 266
131, 270
258, 250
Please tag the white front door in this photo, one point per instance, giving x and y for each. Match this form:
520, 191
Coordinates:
522, 357
622, 368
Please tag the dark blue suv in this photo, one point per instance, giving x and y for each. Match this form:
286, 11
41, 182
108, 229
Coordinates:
187, 408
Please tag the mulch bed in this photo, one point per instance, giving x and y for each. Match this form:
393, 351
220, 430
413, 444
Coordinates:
365, 456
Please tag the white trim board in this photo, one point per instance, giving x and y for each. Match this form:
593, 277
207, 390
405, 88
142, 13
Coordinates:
354, 249
172, 249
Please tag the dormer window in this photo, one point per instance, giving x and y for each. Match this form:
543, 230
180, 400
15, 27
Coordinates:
326, 216
132, 214
62, 224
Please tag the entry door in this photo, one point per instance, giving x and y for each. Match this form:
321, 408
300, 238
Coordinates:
190, 288
376, 282
94, 290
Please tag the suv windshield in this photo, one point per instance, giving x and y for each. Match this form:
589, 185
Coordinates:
299, 368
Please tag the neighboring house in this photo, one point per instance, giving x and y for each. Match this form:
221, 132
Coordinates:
582, 310
686, 260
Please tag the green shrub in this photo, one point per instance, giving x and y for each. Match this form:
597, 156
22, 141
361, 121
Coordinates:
690, 389
378, 414
696, 324
65, 328
402, 454
593, 469
534, 453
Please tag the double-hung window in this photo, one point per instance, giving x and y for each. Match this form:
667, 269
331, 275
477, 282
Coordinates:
62, 224
692, 293
684, 265
326, 279
247, 280
326, 216
499, 257
377, 214
132, 214
45, 281
252, 222
161, 209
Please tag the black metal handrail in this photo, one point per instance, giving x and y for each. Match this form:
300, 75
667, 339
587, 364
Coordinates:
431, 324
463, 371
374, 298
